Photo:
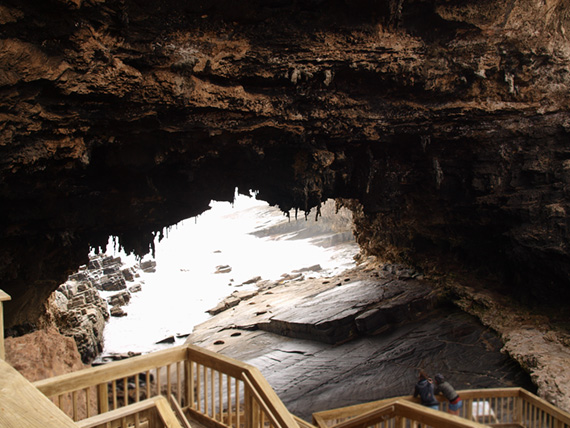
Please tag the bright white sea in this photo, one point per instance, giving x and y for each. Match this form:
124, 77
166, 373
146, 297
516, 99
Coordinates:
174, 298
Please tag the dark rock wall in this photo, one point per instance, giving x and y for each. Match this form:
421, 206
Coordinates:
445, 122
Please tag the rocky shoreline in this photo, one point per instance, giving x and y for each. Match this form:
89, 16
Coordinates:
81, 306
325, 343
337, 341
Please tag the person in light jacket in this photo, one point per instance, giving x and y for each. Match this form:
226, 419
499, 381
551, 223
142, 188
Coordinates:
443, 387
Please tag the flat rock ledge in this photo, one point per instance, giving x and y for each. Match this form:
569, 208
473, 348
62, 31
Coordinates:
333, 342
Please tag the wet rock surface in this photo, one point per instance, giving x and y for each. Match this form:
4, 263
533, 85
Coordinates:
360, 337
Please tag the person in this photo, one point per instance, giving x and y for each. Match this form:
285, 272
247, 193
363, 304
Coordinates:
424, 389
443, 387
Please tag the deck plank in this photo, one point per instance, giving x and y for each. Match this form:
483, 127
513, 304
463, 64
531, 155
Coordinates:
23, 405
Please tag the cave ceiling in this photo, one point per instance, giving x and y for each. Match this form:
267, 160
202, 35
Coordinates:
443, 124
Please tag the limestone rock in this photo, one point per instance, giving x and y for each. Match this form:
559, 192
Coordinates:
79, 312
111, 282
44, 354
135, 288
251, 281
148, 266
356, 308
223, 269
232, 300
169, 339
117, 311
119, 299
322, 345
129, 274
77, 309
314, 268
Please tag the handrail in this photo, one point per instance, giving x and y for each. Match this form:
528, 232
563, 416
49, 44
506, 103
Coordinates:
488, 406
256, 384
4, 297
212, 388
332, 417
303, 423
405, 410
179, 412
222, 392
268, 398
159, 404
91, 376
560, 415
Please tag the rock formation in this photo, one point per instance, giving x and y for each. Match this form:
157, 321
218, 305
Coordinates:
326, 343
442, 125
77, 309
44, 354
79, 312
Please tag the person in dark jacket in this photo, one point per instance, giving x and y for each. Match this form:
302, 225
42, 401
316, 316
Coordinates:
424, 389
443, 387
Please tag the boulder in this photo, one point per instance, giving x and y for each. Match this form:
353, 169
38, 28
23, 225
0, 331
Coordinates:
129, 274
148, 266
117, 311
119, 299
252, 280
135, 288
223, 269
314, 268
113, 282
169, 339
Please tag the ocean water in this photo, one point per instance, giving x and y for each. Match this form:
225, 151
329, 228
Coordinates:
175, 298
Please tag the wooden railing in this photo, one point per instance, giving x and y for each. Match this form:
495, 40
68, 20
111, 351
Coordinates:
4, 297
403, 413
534, 412
221, 392
491, 407
156, 410
213, 389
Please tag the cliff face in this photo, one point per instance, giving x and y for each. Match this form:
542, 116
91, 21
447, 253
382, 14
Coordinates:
444, 123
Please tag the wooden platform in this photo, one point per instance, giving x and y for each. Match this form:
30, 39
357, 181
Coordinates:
23, 405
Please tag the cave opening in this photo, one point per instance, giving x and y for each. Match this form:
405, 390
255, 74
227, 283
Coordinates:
231, 248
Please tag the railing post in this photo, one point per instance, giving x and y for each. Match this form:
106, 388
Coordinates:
400, 422
251, 410
3, 298
518, 409
469, 409
247, 408
189, 382
103, 398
